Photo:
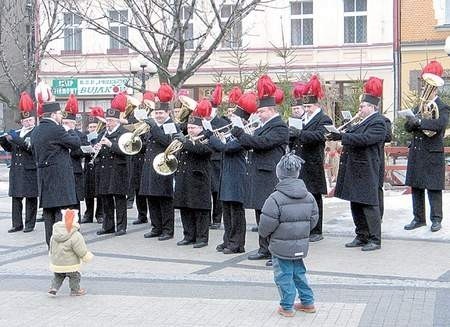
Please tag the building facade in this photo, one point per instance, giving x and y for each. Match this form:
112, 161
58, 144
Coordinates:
342, 40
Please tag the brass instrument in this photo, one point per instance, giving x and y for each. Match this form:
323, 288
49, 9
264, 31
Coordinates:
132, 103
248, 128
428, 109
166, 163
187, 106
130, 143
356, 119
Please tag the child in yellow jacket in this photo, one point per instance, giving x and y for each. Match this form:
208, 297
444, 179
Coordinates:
67, 251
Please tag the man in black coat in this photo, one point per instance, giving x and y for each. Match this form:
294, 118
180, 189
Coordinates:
111, 175
309, 144
51, 144
157, 189
359, 172
266, 146
22, 174
426, 166
90, 194
193, 186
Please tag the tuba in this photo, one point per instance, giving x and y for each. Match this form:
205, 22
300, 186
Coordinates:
130, 143
187, 106
428, 109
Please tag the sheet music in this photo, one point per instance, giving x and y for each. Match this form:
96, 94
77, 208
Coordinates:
207, 124
87, 149
407, 113
295, 122
346, 115
236, 121
332, 129
169, 128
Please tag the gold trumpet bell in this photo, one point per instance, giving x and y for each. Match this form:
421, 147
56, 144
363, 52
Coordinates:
187, 106
129, 143
165, 164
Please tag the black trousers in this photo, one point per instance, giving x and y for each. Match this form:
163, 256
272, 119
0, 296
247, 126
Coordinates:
30, 212
195, 224
142, 207
217, 209
263, 241
381, 202
435, 200
162, 214
318, 228
51, 216
367, 222
234, 224
119, 202
89, 213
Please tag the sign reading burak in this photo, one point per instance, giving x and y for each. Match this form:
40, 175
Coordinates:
88, 86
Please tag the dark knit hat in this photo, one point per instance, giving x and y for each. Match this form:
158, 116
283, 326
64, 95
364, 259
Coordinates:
289, 166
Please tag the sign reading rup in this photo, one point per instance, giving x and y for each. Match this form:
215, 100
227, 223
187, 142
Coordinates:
89, 86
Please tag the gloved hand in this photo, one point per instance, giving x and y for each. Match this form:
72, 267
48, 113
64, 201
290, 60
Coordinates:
180, 137
207, 133
237, 131
412, 123
294, 132
334, 136
13, 134
151, 122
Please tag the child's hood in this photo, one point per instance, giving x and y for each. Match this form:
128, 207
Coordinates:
60, 233
292, 187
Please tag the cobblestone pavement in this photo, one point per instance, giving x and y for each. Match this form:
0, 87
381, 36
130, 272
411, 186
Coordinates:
135, 281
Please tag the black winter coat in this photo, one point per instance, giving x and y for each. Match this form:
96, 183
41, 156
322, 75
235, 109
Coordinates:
360, 164
426, 158
51, 143
23, 171
111, 169
233, 171
216, 157
310, 146
193, 177
152, 183
77, 164
267, 146
386, 140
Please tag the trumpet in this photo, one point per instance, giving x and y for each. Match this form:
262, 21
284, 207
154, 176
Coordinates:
226, 135
356, 119
166, 163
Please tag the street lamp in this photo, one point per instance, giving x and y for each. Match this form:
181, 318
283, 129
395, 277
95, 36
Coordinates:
447, 46
143, 69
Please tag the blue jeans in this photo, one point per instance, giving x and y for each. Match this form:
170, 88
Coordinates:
289, 276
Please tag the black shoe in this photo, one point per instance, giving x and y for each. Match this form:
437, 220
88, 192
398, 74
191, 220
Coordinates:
258, 256
184, 242
139, 221
269, 263
371, 247
86, 221
99, 220
151, 234
215, 226
120, 232
220, 247
103, 232
200, 245
28, 229
356, 243
229, 251
315, 237
255, 229
435, 226
40, 220
15, 229
165, 237
413, 225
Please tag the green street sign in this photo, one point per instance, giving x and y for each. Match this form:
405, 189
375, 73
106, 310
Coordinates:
89, 86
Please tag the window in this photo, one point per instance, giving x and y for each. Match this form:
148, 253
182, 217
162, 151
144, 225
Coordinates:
302, 23
72, 33
186, 16
233, 39
355, 21
447, 12
117, 20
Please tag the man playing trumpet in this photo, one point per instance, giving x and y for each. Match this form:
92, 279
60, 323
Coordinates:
359, 168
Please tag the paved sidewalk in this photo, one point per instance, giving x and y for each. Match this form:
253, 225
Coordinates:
134, 281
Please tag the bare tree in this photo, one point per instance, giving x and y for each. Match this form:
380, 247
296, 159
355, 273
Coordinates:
22, 46
167, 36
